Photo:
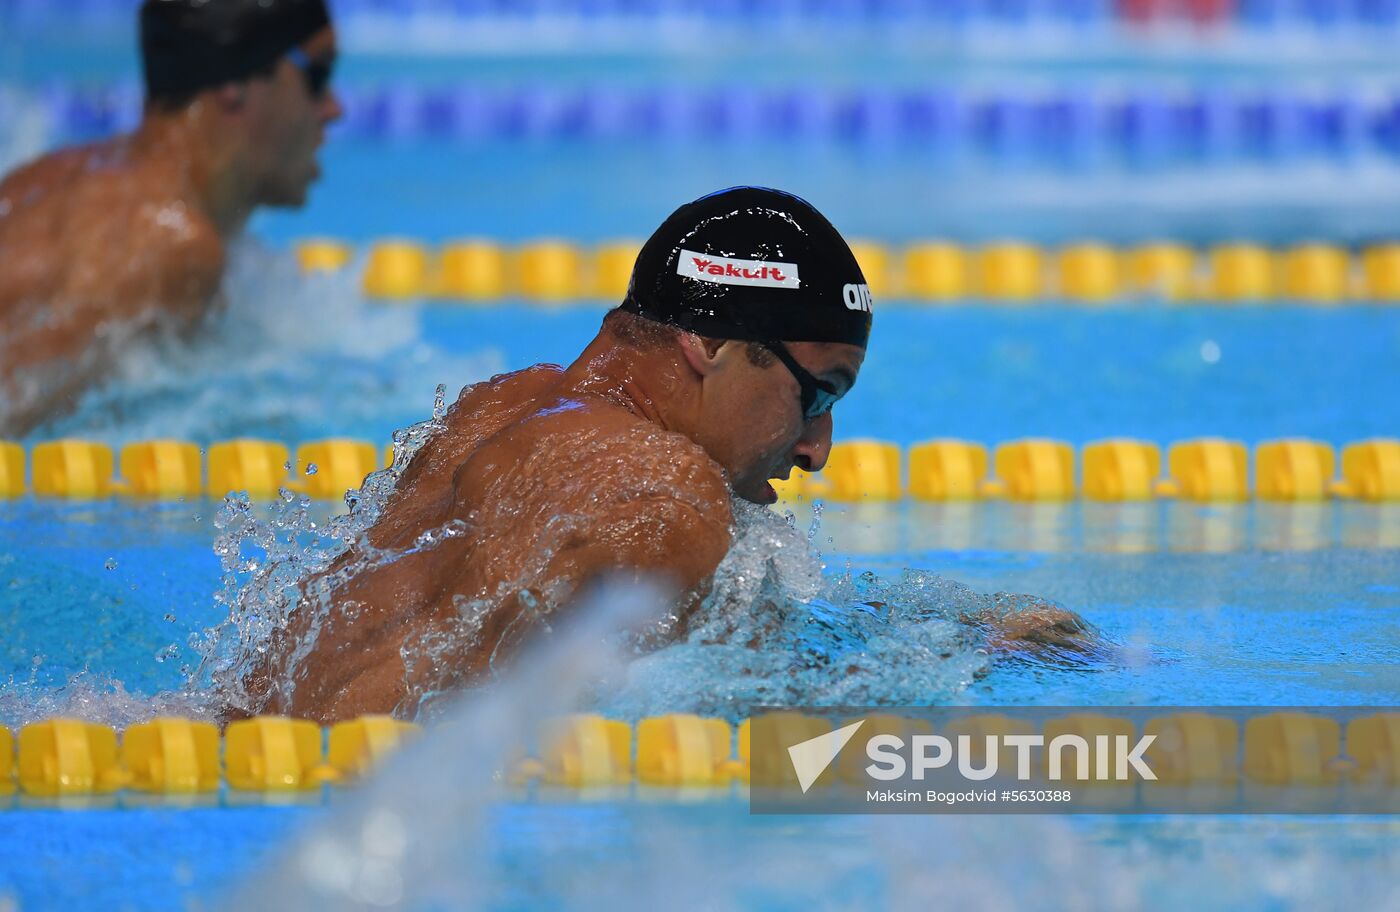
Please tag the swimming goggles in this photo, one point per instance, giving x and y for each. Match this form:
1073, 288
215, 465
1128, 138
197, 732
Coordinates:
818, 396
316, 73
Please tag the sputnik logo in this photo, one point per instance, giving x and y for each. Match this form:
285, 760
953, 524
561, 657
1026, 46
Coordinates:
810, 758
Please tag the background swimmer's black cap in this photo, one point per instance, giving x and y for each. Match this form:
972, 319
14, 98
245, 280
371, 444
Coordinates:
188, 46
752, 263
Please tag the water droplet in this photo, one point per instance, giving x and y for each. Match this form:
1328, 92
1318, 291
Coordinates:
110, 563
1210, 351
311, 468
440, 402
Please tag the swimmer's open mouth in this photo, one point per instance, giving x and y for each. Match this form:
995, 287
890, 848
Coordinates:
772, 493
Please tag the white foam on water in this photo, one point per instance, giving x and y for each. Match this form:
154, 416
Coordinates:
282, 356
778, 630
26, 130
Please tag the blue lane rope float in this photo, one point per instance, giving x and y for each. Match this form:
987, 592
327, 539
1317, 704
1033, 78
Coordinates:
1075, 126
1377, 17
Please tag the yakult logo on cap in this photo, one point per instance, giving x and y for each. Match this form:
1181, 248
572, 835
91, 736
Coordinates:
727, 271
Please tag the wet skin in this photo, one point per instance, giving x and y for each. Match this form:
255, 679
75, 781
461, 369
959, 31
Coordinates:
107, 242
622, 463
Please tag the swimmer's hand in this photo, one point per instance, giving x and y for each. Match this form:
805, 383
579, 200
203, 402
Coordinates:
1019, 624
1025, 623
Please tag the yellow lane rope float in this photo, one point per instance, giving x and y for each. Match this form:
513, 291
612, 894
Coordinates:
65, 758
1032, 469
1090, 272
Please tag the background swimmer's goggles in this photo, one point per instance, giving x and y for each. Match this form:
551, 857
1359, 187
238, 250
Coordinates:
316, 73
818, 396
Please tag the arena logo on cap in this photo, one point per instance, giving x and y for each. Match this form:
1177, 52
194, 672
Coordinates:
727, 271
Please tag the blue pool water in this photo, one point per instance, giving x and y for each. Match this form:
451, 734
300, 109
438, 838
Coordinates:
102, 605
597, 854
976, 372
1258, 604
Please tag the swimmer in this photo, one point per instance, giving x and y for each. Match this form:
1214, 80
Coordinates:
745, 322
105, 243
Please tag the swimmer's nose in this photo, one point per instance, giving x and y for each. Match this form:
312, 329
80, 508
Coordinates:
331, 108
812, 448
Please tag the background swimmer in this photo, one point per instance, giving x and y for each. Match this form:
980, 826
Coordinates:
745, 322
105, 242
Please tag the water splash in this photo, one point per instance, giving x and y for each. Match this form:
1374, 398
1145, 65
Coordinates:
268, 556
92, 698
778, 630
26, 127
284, 356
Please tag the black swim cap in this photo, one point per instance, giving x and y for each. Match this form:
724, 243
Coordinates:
191, 45
754, 264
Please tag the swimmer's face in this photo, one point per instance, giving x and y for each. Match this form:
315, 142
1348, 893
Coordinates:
286, 124
753, 423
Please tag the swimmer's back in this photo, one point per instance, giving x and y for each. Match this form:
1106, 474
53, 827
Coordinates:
526, 439
554, 487
572, 450
424, 491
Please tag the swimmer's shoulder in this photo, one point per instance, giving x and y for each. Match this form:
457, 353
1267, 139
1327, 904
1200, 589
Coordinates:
530, 381
49, 183
28, 181
617, 452
481, 412
34, 202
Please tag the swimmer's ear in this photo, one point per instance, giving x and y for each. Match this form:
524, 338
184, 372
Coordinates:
231, 96
701, 353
